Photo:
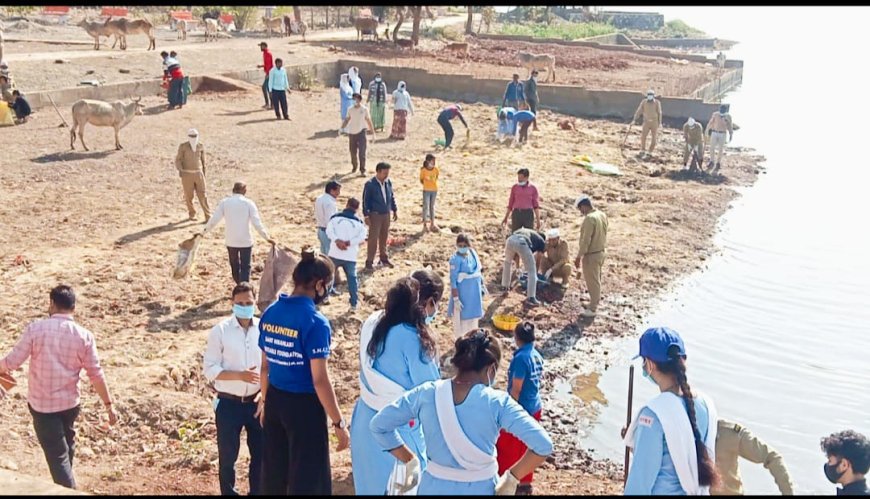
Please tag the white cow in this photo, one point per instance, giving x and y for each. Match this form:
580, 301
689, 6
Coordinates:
538, 61
100, 113
211, 29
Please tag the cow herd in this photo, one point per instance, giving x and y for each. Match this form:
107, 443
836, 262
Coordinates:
119, 29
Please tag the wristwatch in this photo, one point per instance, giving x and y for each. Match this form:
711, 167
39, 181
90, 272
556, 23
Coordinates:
341, 425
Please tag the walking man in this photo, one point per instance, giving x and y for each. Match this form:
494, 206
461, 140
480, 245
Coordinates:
590, 256
279, 86
651, 111
531, 91
378, 201
555, 263
719, 125
525, 243
523, 204
240, 213
232, 362
190, 163
514, 94
346, 233
356, 123
324, 209
693, 133
58, 349
267, 67
733, 441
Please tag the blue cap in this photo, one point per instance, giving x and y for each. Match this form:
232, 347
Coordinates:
655, 342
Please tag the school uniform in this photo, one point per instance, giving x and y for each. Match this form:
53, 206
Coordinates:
527, 365
466, 277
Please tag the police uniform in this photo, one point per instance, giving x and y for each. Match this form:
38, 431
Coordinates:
733, 441
651, 110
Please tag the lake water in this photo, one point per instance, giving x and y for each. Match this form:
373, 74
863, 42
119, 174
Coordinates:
777, 327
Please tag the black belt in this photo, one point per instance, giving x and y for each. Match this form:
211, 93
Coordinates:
593, 252
717, 131
229, 396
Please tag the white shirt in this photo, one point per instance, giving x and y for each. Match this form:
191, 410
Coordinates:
402, 101
240, 213
231, 348
357, 122
345, 229
324, 208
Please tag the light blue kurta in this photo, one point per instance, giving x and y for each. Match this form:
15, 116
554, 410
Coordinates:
470, 290
652, 470
346, 102
403, 362
481, 415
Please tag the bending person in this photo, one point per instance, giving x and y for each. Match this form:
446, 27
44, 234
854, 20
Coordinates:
466, 287
462, 417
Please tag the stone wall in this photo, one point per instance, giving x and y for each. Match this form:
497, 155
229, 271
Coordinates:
648, 21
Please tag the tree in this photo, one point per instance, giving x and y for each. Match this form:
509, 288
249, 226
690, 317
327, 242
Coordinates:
297, 14
417, 12
469, 23
400, 18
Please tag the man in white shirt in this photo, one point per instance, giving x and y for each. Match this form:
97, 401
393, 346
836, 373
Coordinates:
346, 233
355, 124
240, 213
232, 362
324, 209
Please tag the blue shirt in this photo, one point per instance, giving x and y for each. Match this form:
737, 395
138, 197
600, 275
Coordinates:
292, 332
527, 365
524, 116
514, 91
278, 79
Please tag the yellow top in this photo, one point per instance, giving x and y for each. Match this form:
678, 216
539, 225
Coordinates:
429, 178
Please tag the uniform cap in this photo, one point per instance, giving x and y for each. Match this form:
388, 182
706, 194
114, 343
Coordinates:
192, 133
552, 233
580, 200
650, 92
655, 342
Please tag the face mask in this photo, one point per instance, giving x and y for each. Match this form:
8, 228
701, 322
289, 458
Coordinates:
462, 251
431, 318
831, 472
691, 122
378, 79
318, 298
650, 97
523, 183
648, 376
243, 311
193, 142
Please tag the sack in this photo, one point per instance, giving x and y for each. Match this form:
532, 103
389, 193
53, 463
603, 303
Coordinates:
186, 257
6, 114
277, 271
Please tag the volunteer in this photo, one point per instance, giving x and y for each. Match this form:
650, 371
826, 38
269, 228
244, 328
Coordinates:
397, 353
461, 419
674, 435
296, 393
466, 287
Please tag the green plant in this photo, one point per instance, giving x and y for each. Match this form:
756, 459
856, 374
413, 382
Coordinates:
565, 31
441, 33
20, 10
679, 29
304, 80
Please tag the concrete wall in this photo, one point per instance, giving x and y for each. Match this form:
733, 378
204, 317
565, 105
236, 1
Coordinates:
711, 91
611, 39
649, 21
326, 73
684, 42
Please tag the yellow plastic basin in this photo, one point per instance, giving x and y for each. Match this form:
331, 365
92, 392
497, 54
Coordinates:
505, 322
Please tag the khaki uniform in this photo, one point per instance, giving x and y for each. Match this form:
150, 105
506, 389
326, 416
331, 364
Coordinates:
694, 137
192, 177
733, 441
652, 120
593, 240
719, 128
557, 258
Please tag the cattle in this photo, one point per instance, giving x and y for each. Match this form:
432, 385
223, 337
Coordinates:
126, 27
211, 29
459, 48
98, 29
365, 26
538, 61
99, 113
405, 43
181, 27
273, 24
293, 27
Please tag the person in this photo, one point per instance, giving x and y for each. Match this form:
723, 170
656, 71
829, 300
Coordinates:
523, 204
444, 117
346, 95
734, 440
525, 243
514, 94
524, 383
164, 58
378, 201
461, 418
58, 349
355, 80
466, 287
232, 363
693, 134
324, 209
279, 86
555, 262
402, 105
6, 89
651, 111
176, 83
296, 392
673, 436
507, 127
20, 106
848, 455
357, 122
240, 213
429, 178
592, 250
531, 91
346, 232
719, 125
267, 67
188, 160
4, 71
377, 100
397, 353
522, 120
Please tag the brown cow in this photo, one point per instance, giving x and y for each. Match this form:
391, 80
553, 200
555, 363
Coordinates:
127, 27
459, 48
273, 24
366, 26
100, 113
98, 29
295, 28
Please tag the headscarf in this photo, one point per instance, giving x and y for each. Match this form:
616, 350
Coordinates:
193, 140
344, 84
380, 88
355, 81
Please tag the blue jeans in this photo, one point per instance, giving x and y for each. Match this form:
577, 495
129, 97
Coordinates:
429, 205
230, 417
324, 241
350, 272
444, 121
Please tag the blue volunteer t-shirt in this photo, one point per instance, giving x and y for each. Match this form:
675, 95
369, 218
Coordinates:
524, 116
292, 332
527, 365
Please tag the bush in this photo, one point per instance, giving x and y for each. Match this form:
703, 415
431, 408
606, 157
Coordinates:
566, 31
304, 80
679, 29
442, 33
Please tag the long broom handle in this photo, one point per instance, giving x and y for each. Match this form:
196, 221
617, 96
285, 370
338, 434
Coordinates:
626, 134
628, 419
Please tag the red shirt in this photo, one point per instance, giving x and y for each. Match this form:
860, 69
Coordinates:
267, 61
523, 197
176, 73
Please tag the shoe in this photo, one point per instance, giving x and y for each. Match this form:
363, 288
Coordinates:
287, 118
587, 313
533, 302
387, 263
354, 308
368, 268
267, 106
334, 292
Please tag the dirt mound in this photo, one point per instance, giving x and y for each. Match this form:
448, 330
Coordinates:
220, 84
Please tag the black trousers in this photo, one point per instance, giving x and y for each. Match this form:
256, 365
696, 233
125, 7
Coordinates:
296, 451
230, 417
358, 143
56, 434
444, 121
533, 105
240, 263
279, 98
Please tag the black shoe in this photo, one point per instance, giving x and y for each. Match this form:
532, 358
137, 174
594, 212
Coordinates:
287, 118
368, 268
533, 302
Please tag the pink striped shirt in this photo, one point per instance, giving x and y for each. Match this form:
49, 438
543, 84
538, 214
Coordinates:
523, 197
58, 349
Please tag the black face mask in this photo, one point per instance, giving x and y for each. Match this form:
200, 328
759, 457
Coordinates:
831, 472
318, 298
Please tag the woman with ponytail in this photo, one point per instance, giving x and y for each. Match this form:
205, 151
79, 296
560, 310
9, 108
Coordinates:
674, 435
461, 419
397, 353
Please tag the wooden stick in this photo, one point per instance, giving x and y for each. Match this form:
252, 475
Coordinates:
628, 419
58, 111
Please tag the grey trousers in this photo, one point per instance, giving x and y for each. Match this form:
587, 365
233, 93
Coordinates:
517, 245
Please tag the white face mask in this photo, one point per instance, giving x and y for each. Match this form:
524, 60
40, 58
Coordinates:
691, 122
378, 79
650, 97
193, 142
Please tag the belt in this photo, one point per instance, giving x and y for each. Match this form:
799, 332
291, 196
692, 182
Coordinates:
593, 252
229, 396
321, 228
717, 131
190, 171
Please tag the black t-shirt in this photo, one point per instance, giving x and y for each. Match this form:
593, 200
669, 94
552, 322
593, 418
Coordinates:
534, 239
